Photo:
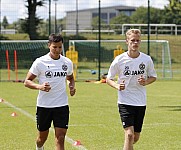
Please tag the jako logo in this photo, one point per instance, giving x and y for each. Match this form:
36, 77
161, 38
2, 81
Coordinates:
60, 74
50, 74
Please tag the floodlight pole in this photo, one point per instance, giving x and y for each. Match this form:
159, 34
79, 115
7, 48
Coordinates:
0, 39
99, 43
148, 30
0, 21
55, 29
49, 17
77, 25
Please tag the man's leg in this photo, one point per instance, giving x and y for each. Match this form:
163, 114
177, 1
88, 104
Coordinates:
136, 137
41, 138
60, 138
129, 138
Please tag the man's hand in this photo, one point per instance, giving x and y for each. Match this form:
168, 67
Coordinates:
141, 80
122, 85
45, 87
72, 90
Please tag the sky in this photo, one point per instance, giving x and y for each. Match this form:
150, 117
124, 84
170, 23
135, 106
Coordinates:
15, 9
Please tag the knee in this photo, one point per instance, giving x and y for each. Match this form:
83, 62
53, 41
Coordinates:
60, 136
60, 139
136, 138
130, 136
41, 140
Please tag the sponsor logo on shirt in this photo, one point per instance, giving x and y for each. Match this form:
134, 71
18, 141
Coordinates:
50, 74
127, 72
60, 74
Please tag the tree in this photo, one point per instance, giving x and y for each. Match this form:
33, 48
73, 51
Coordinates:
31, 23
5, 22
22, 26
140, 16
172, 12
95, 23
120, 19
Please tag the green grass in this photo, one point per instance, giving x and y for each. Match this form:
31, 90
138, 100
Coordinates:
15, 36
85, 73
94, 118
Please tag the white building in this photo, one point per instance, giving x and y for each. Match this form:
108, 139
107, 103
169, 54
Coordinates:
8, 31
83, 18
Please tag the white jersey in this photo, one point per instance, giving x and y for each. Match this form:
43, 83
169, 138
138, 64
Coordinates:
130, 69
54, 72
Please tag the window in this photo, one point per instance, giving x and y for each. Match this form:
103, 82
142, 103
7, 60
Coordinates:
112, 15
104, 16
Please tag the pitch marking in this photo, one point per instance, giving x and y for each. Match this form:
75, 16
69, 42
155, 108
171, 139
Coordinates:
69, 140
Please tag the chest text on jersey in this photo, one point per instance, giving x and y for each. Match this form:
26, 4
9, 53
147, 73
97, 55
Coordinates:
50, 74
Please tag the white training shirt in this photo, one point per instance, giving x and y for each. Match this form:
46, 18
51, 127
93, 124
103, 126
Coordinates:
54, 72
130, 69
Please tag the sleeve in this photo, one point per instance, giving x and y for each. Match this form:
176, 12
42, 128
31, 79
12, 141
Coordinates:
112, 70
70, 70
34, 68
151, 69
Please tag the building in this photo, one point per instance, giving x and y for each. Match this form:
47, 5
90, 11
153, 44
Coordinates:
82, 19
8, 31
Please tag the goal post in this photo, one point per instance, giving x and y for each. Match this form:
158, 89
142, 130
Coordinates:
88, 56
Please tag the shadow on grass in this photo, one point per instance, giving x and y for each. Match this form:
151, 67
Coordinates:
172, 108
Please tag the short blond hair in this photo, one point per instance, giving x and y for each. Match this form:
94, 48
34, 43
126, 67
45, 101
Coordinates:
133, 31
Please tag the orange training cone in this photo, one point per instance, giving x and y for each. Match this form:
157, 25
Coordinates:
14, 114
77, 143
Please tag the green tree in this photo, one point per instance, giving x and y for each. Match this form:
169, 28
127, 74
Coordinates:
5, 22
61, 24
95, 23
32, 21
172, 12
120, 19
21, 26
140, 16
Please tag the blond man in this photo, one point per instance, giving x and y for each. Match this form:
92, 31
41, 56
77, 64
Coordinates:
135, 71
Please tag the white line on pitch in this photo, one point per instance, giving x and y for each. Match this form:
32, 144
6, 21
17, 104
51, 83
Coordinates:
69, 140
86, 125
162, 124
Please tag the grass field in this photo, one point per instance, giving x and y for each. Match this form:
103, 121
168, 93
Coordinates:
94, 118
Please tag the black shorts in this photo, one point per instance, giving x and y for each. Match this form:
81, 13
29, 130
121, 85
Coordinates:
45, 116
132, 116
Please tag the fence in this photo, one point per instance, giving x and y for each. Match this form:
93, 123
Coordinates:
162, 29
78, 17
88, 52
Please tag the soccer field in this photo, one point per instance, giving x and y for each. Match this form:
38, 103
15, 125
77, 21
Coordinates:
94, 118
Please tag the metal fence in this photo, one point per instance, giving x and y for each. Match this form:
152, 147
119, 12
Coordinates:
77, 17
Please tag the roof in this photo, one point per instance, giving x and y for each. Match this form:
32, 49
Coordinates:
119, 8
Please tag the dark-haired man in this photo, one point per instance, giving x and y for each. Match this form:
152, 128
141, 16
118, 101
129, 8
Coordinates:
52, 71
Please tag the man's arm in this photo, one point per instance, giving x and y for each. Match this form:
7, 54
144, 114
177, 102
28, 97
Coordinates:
32, 85
113, 84
148, 81
71, 80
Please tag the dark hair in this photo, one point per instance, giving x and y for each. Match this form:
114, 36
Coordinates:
55, 38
